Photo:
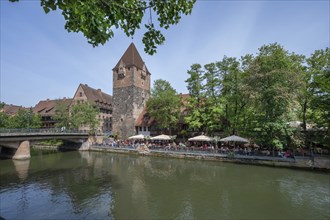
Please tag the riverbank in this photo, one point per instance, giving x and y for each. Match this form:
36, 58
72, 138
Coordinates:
316, 163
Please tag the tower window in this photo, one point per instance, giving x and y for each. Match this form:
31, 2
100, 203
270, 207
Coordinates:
121, 73
143, 72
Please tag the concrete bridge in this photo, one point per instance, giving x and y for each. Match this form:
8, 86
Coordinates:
16, 142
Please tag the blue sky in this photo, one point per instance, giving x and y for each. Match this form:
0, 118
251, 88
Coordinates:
40, 59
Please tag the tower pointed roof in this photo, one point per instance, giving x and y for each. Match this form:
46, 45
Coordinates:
131, 57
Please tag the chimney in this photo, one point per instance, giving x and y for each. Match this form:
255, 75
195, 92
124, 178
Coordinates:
99, 91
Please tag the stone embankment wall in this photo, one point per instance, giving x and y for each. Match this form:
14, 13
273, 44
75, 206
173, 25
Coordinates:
317, 163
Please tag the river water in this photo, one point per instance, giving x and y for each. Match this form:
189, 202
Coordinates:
95, 185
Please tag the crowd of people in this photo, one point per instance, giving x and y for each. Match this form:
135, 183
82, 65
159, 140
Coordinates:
203, 147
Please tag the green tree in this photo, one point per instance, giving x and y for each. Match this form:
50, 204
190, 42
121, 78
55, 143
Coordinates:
3, 120
62, 115
319, 92
24, 119
97, 19
196, 111
232, 96
164, 105
273, 80
85, 115
212, 89
3, 116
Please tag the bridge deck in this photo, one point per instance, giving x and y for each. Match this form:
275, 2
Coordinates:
40, 134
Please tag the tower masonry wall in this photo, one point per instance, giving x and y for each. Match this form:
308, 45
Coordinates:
128, 103
134, 76
131, 90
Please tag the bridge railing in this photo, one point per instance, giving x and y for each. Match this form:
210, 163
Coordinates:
40, 130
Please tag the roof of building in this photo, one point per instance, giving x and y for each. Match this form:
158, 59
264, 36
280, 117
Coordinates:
12, 109
131, 57
48, 107
144, 120
96, 95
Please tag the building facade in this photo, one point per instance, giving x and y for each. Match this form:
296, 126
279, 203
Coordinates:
131, 90
47, 110
99, 100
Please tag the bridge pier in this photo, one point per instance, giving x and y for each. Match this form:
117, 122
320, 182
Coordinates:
23, 151
86, 145
17, 150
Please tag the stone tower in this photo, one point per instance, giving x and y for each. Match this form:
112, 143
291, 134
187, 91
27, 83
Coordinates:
131, 90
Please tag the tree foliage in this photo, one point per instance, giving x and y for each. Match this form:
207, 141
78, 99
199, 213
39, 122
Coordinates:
62, 115
319, 93
319, 71
97, 19
273, 81
84, 115
257, 96
22, 119
3, 116
232, 96
164, 105
195, 106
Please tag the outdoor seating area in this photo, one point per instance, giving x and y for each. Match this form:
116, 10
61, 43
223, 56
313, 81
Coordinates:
230, 146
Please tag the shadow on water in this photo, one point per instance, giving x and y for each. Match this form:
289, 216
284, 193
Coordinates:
37, 151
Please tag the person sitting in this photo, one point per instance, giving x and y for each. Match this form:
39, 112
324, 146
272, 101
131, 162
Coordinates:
280, 153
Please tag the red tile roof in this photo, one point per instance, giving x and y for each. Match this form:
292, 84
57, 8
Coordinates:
48, 107
97, 96
12, 109
144, 120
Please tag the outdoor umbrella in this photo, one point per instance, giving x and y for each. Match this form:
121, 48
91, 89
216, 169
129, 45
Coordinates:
201, 138
137, 137
234, 138
161, 137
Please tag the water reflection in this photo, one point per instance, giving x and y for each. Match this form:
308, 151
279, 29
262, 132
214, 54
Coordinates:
109, 186
22, 168
57, 186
